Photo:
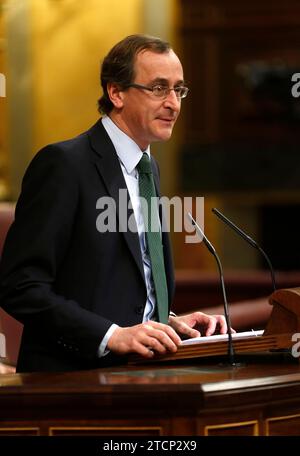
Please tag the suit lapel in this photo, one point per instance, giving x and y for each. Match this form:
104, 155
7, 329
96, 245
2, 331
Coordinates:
108, 166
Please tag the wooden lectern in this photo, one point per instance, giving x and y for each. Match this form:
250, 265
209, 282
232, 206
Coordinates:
284, 321
285, 316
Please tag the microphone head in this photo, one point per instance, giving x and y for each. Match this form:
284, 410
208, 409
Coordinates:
238, 230
248, 239
201, 234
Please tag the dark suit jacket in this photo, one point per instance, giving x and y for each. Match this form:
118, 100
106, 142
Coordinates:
62, 278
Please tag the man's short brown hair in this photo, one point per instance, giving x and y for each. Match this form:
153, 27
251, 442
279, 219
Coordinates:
118, 65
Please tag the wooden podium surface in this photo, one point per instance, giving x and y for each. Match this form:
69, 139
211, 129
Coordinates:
201, 397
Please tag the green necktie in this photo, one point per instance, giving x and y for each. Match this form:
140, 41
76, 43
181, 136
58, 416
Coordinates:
153, 236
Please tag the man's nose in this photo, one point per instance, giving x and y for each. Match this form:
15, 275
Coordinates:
172, 101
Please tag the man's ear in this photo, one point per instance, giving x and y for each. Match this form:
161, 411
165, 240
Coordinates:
115, 94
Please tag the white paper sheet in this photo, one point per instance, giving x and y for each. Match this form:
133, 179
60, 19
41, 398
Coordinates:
220, 337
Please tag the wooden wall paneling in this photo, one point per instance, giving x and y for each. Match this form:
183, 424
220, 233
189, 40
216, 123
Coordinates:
241, 122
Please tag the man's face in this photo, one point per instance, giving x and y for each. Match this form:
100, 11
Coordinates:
140, 114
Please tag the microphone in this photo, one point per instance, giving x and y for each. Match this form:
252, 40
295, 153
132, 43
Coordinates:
212, 250
247, 239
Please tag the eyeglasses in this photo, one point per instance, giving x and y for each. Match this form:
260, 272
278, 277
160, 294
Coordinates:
161, 91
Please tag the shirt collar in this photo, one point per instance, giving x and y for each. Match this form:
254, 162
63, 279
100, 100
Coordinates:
127, 150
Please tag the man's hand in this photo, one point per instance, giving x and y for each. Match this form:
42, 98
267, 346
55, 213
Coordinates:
198, 323
144, 339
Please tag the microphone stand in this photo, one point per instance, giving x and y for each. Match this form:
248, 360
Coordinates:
231, 353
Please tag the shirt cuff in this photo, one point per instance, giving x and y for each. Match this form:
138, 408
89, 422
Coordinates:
102, 350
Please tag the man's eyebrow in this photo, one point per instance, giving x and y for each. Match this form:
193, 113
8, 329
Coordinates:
165, 82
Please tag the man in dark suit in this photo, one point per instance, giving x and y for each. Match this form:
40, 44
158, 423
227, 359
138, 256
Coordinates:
85, 294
